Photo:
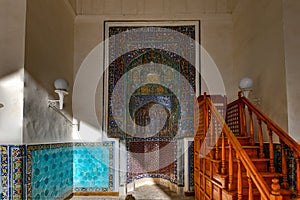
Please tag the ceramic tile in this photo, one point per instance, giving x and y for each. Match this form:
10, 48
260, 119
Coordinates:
93, 167
50, 171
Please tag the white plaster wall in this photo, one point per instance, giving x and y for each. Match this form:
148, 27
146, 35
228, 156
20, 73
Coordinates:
259, 53
42, 124
12, 44
49, 55
291, 16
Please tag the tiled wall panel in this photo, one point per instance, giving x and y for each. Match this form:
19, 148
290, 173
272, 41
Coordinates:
49, 171
93, 167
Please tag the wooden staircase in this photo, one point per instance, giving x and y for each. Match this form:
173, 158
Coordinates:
229, 154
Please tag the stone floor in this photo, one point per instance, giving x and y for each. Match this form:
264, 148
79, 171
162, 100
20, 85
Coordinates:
146, 192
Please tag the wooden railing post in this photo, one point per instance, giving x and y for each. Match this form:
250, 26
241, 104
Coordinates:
242, 117
239, 181
223, 154
275, 193
271, 151
298, 174
230, 168
250, 193
284, 184
251, 127
216, 141
261, 142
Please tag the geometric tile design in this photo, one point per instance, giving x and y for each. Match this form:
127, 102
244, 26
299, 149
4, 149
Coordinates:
159, 54
17, 168
4, 172
151, 157
93, 167
49, 171
191, 165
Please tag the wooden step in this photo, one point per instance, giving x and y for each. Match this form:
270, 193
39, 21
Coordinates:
252, 151
244, 140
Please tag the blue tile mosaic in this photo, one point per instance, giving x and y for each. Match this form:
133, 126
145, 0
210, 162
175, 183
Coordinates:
93, 167
160, 54
50, 171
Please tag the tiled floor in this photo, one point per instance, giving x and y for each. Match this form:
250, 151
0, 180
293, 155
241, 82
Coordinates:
147, 192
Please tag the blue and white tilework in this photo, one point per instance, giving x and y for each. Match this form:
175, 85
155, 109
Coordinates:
50, 171
93, 167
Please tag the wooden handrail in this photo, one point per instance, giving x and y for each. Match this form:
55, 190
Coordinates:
252, 171
288, 140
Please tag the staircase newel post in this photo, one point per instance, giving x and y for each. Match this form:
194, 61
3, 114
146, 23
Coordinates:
261, 142
284, 184
275, 193
251, 127
271, 149
242, 118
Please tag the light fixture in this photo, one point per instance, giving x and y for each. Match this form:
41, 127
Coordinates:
246, 86
61, 86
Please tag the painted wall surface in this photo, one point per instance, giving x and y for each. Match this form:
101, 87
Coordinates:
94, 167
259, 53
291, 16
42, 124
49, 55
49, 171
12, 49
12, 36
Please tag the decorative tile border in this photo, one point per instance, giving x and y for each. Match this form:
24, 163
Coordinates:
92, 148
17, 169
191, 165
4, 172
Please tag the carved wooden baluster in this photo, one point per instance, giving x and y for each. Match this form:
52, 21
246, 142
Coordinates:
271, 149
298, 174
223, 154
239, 181
211, 131
261, 142
250, 194
251, 127
230, 168
206, 114
219, 194
284, 184
203, 176
211, 177
216, 130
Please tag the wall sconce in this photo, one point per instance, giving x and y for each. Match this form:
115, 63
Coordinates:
61, 87
246, 86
